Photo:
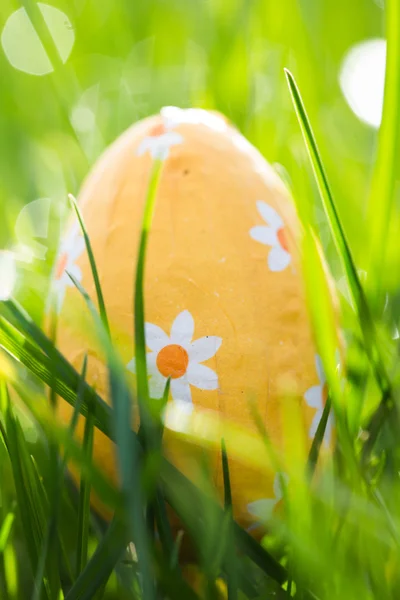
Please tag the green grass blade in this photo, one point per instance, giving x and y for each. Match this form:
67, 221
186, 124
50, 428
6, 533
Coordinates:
128, 452
102, 563
365, 319
5, 530
139, 313
230, 553
386, 166
95, 274
31, 501
177, 486
84, 501
66, 381
318, 438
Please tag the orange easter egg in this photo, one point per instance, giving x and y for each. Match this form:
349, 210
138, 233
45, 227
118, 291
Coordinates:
225, 311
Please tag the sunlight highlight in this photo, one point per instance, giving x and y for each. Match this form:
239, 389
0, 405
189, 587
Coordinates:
23, 46
362, 79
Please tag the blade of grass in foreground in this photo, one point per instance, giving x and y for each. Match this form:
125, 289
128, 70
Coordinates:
230, 561
139, 316
67, 384
30, 501
365, 319
386, 166
84, 500
128, 451
93, 267
102, 563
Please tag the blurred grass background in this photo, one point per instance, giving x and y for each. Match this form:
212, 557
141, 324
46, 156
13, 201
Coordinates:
123, 60
72, 81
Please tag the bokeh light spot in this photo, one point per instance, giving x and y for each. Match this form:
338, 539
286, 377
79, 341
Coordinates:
23, 47
8, 274
362, 79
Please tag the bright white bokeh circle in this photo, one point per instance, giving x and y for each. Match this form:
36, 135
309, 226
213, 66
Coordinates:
23, 47
362, 79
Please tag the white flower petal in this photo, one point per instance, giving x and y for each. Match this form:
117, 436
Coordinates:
75, 271
320, 369
315, 422
262, 509
77, 248
60, 296
204, 348
264, 235
156, 338
278, 484
174, 116
278, 259
151, 363
182, 329
269, 215
145, 145
202, 377
131, 366
180, 390
157, 385
171, 138
313, 397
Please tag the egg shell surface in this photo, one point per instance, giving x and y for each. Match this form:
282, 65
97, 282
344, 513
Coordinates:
225, 311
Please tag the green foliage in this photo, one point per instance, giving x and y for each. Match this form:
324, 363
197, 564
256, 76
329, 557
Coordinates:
340, 535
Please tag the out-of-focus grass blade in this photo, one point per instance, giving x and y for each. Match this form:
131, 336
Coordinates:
84, 501
387, 160
230, 554
54, 430
174, 483
102, 563
365, 319
66, 381
5, 530
139, 314
30, 500
318, 439
100, 298
128, 451
148, 432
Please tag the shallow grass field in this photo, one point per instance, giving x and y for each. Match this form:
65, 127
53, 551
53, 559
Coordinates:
304, 81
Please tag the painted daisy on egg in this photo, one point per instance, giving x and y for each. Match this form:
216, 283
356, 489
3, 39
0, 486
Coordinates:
265, 508
70, 250
273, 234
174, 116
158, 142
178, 357
316, 397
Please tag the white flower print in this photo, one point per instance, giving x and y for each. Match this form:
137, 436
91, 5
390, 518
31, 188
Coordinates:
70, 250
174, 116
159, 142
264, 508
178, 357
316, 397
273, 234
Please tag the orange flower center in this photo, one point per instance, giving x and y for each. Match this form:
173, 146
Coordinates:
157, 130
172, 361
61, 265
281, 235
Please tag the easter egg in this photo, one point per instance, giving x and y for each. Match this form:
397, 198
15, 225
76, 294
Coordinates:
226, 317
